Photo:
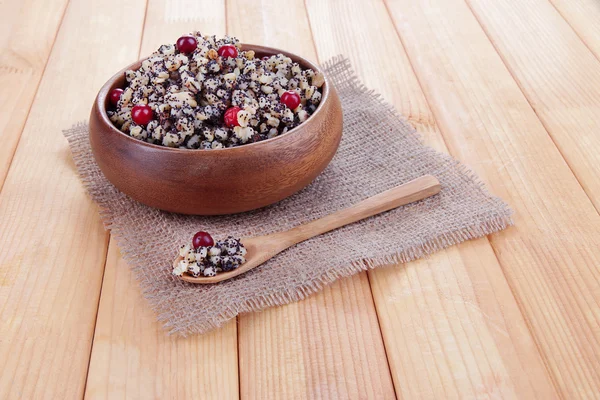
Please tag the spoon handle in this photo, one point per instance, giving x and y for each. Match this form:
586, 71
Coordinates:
409, 192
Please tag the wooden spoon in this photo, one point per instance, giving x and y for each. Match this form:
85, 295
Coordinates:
262, 248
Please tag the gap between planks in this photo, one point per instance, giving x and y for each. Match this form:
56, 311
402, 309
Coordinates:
87, 373
377, 312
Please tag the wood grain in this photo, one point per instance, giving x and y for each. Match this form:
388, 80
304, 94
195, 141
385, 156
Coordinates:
328, 346
325, 347
53, 245
451, 326
550, 256
583, 16
449, 333
558, 74
133, 357
27, 32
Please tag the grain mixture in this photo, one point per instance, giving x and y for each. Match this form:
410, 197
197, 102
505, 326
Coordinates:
206, 93
205, 257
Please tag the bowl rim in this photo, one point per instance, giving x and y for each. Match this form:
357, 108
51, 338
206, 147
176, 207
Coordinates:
101, 101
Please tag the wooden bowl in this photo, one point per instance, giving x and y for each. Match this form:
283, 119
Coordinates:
217, 181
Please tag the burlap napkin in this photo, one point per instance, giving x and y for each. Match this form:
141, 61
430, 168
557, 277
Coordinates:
379, 150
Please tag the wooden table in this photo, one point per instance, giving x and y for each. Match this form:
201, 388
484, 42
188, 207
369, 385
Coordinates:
511, 88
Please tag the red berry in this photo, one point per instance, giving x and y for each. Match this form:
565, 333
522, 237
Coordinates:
115, 96
141, 114
228, 50
230, 117
187, 44
290, 99
265, 58
202, 239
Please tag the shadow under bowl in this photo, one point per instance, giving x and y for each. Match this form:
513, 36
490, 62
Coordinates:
217, 181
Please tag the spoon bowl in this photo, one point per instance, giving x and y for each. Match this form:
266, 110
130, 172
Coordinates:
259, 249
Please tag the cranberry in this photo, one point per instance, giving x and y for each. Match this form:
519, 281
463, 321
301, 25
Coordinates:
115, 96
141, 114
202, 239
265, 58
290, 99
187, 44
231, 116
228, 50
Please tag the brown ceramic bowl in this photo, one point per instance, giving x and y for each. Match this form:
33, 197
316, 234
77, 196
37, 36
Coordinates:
218, 181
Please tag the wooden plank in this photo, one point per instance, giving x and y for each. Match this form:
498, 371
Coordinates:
451, 325
550, 256
132, 356
328, 346
27, 32
449, 332
53, 245
558, 74
584, 18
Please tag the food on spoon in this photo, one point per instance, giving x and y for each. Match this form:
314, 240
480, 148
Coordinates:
205, 92
205, 257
